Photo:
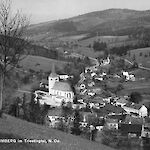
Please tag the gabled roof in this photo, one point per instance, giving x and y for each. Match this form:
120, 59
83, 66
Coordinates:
122, 100
111, 120
134, 106
113, 109
133, 120
118, 117
130, 128
96, 99
62, 86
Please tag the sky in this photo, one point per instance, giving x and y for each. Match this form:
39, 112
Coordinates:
47, 10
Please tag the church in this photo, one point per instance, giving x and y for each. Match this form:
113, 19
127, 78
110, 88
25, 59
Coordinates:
59, 89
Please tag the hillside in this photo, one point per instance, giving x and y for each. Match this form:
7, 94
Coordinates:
141, 56
14, 128
38, 63
105, 22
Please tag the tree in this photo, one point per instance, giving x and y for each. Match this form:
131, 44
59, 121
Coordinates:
135, 97
76, 123
12, 43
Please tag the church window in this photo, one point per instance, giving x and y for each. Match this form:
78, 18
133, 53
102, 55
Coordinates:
69, 95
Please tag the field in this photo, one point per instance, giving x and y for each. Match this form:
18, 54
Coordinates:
141, 86
83, 45
107, 39
14, 128
142, 56
86, 51
72, 38
38, 63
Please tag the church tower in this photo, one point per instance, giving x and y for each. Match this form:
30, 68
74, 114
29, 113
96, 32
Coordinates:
53, 77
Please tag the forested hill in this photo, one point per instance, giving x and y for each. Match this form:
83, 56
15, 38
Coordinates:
106, 21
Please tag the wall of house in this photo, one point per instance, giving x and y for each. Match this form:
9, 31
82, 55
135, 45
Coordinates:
143, 111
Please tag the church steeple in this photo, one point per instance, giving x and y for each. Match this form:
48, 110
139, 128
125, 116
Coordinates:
53, 77
53, 72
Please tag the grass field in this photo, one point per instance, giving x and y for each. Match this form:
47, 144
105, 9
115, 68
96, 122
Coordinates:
72, 38
142, 87
38, 63
11, 127
89, 52
107, 39
142, 56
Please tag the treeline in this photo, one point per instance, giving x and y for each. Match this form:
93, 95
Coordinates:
31, 111
99, 46
41, 51
122, 50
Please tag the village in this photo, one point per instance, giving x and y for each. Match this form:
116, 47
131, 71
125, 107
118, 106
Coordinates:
99, 110
74, 75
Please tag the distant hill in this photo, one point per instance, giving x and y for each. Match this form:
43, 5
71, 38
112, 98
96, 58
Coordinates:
105, 22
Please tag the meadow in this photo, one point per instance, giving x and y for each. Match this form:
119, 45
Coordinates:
38, 63
141, 56
14, 128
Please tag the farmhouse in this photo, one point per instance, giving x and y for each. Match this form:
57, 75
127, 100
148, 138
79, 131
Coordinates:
141, 110
112, 124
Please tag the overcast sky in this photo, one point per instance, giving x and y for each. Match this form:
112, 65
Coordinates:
46, 10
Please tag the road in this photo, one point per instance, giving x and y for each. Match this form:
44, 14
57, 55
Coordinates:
24, 91
141, 67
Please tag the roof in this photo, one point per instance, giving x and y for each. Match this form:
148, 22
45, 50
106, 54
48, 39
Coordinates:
55, 112
114, 109
122, 100
130, 128
53, 75
112, 120
62, 86
118, 117
133, 120
96, 99
134, 106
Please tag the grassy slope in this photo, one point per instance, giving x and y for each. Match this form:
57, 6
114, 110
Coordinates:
141, 59
23, 129
38, 63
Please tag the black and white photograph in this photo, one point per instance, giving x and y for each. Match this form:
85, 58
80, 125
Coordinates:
74, 74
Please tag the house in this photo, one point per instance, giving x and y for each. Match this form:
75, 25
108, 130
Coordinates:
54, 117
128, 76
65, 77
119, 117
121, 101
141, 110
146, 130
111, 123
96, 102
113, 110
105, 61
130, 119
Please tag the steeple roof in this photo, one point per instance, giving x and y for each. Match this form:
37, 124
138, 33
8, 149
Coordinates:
53, 73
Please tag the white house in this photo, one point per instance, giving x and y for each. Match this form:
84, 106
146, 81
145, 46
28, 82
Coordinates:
128, 76
112, 124
141, 110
